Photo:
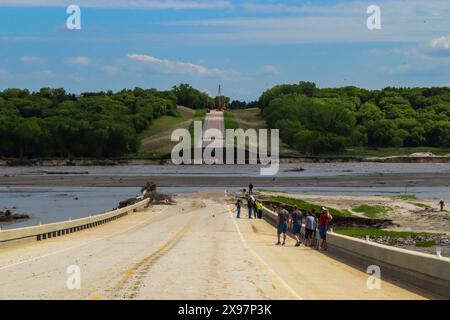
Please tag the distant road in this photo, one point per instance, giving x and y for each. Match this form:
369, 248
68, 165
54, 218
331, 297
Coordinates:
194, 250
213, 120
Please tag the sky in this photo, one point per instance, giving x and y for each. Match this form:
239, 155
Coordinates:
247, 46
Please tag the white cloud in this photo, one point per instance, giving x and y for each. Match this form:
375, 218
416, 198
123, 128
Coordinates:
115, 4
111, 70
345, 22
178, 67
80, 61
30, 60
439, 47
271, 69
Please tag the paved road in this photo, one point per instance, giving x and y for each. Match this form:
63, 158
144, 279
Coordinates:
213, 120
194, 250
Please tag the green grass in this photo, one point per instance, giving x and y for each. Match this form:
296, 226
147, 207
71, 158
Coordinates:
362, 232
265, 190
306, 205
198, 116
156, 139
425, 244
371, 211
390, 152
421, 205
405, 197
230, 121
161, 124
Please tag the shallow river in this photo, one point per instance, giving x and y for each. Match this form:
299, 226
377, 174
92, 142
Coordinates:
46, 205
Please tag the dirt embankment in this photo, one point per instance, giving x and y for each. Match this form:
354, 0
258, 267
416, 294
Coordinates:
166, 160
338, 221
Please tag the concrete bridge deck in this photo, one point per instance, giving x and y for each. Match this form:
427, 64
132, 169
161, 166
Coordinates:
193, 250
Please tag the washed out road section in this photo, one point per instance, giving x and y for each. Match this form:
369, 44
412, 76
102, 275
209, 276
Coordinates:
193, 250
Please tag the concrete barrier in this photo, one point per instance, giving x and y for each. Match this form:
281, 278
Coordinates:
427, 272
57, 229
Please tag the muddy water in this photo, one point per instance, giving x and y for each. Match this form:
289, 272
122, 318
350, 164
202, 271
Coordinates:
61, 203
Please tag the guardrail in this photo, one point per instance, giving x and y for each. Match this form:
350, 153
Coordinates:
425, 271
51, 230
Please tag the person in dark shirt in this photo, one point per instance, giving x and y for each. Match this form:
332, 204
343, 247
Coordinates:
442, 205
250, 189
282, 227
250, 207
238, 208
296, 225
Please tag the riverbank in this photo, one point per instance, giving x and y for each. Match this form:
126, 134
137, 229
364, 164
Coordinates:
166, 160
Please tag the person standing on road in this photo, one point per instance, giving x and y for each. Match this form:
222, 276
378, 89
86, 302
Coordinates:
238, 208
250, 189
250, 207
310, 225
297, 225
282, 227
324, 220
442, 205
259, 209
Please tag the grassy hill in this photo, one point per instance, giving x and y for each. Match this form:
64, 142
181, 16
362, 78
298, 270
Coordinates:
252, 119
155, 142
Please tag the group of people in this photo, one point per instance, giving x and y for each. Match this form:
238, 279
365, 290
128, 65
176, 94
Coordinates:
309, 226
315, 227
254, 207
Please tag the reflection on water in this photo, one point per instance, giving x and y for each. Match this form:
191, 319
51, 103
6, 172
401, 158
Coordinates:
46, 205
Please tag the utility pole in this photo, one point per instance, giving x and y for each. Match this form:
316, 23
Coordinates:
219, 99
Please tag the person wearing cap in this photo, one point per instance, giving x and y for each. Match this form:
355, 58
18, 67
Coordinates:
324, 221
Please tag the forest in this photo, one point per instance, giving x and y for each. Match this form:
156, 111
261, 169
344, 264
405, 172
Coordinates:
327, 121
54, 123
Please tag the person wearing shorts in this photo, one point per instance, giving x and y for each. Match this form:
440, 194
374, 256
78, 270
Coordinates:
310, 224
282, 226
297, 225
324, 221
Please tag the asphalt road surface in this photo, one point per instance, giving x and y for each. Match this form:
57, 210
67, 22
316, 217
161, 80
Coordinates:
213, 120
196, 249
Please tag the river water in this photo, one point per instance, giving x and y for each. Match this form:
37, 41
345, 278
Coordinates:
46, 205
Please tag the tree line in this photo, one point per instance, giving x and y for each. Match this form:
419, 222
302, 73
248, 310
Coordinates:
54, 123
192, 98
329, 120
237, 104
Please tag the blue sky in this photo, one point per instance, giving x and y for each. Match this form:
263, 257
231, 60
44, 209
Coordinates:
247, 46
